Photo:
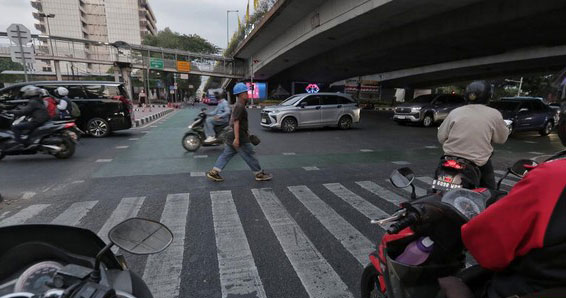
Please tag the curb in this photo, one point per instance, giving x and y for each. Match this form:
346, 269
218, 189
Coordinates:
138, 109
150, 118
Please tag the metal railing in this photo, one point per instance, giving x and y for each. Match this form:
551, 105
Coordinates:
94, 52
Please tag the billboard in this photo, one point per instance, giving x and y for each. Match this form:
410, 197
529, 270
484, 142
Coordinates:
259, 90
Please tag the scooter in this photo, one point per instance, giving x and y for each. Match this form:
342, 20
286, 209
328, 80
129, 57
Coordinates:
194, 137
55, 138
436, 218
42, 261
455, 172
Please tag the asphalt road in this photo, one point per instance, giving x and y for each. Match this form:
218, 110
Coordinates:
304, 234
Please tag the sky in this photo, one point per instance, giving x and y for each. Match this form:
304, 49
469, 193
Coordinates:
206, 18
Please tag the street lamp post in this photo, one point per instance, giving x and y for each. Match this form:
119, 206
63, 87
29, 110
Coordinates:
520, 82
47, 17
228, 26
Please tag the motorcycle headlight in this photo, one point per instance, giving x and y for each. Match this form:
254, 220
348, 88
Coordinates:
416, 109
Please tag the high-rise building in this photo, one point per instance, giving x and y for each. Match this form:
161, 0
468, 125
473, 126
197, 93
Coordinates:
97, 20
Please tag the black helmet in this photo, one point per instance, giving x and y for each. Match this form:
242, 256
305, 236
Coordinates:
478, 92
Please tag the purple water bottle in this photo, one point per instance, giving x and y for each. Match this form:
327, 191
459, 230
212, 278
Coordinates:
417, 252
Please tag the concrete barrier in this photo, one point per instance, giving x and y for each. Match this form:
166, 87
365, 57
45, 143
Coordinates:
150, 118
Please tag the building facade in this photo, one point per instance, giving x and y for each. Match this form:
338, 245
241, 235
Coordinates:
97, 20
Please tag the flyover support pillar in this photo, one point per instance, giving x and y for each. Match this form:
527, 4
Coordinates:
57, 66
409, 94
126, 71
116, 74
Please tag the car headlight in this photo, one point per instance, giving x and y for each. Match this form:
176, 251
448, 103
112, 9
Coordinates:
274, 112
416, 110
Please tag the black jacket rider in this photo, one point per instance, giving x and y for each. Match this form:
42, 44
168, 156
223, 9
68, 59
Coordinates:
37, 114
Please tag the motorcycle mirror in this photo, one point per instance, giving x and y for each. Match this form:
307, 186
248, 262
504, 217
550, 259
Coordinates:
141, 236
522, 167
402, 177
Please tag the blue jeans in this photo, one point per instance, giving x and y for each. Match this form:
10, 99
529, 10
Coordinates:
247, 153
209, 125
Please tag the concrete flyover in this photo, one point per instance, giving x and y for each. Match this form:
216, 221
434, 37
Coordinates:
405, 42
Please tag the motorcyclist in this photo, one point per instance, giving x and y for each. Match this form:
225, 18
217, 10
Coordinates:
35, 110
521, 237
64, 106
219, 116
469, 131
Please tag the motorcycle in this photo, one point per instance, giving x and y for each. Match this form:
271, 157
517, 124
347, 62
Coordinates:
455, 172
194, 137
55, 138
434, 218
40, 261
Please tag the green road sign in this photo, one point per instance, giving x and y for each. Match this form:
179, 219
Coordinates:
156, 63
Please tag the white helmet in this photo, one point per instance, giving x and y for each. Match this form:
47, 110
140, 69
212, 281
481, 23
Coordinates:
44, 92
30, 91
61, 91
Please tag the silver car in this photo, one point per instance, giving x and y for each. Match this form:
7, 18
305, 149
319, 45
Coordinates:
312, 110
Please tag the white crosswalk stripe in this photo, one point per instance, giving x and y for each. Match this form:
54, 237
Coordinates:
418, 190
356, 243
163, 270
23, 215
381, 192
315, 273
73, 215
238, 272
359, 203
128, 207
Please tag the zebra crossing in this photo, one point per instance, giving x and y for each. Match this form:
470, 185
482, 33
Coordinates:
237, 267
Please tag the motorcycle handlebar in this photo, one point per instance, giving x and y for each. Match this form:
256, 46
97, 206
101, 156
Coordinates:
405, 222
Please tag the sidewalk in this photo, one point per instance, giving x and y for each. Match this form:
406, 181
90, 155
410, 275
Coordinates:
144, 116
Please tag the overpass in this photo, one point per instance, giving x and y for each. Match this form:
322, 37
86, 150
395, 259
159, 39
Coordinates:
127, 57
405, 43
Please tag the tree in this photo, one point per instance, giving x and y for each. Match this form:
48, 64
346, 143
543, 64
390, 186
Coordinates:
174, 40
8, 64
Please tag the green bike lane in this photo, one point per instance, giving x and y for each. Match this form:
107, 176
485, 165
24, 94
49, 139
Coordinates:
160, 152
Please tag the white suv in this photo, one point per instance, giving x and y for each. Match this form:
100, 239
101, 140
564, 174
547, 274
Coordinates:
312, 110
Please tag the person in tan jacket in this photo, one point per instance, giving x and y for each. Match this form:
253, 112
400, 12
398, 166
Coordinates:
469, 131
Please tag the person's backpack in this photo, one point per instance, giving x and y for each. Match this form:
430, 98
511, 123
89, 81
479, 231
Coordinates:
75, 111
51, 106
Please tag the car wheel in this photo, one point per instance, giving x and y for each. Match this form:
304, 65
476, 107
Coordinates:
289, 124
68, 149
547, 129
345, 122
191, 142
98, 127
428, 120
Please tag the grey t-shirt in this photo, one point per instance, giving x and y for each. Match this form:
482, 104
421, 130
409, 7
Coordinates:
239, 113
469, 131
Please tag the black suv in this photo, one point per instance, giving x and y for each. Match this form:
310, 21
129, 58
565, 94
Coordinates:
104, 106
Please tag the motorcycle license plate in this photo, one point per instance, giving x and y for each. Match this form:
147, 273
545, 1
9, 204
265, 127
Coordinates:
263, 120
445, 186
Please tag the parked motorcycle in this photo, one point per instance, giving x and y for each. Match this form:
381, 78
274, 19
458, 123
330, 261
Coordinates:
54, 261
194, 137
55, 138
423, 241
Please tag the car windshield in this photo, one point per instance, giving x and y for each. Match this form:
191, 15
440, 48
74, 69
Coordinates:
291, 100
423, 99
505, 105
